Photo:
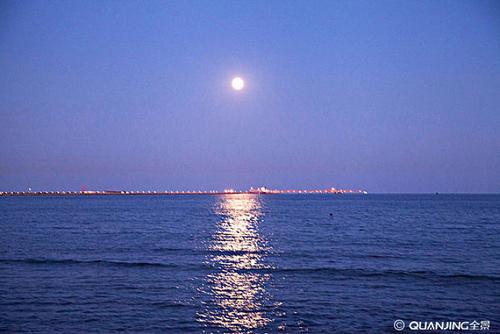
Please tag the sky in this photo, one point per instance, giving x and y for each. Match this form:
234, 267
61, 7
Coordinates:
386, 96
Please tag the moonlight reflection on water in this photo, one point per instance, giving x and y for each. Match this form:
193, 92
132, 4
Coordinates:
237, 252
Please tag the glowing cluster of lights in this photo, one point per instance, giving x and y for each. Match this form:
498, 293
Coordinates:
259, 190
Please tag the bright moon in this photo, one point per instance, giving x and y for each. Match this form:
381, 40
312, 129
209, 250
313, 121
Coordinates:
237, 83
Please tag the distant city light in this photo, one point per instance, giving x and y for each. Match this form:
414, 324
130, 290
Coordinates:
252, 190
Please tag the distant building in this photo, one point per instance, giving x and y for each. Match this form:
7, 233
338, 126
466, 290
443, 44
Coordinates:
260, 190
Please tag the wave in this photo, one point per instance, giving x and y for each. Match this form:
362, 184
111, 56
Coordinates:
80, 262
350, 272
171, 249
389, 273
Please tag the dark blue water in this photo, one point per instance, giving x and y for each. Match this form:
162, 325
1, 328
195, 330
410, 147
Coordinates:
247, 263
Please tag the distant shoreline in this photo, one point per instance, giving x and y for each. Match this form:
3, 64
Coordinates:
103, 193
172, 193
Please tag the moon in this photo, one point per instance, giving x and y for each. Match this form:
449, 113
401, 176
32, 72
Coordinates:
237, 83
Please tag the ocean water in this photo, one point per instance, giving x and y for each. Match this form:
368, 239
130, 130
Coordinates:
247, 263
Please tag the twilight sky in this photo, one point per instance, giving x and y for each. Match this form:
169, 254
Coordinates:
388, 96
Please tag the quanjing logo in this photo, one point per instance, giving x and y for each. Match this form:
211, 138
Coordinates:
474, 325
399, 325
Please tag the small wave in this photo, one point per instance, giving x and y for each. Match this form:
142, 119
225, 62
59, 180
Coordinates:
236, 252
86, 262
377, 256
171, 249
389, 273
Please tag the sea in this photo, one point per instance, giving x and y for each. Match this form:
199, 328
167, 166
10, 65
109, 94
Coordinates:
249, 263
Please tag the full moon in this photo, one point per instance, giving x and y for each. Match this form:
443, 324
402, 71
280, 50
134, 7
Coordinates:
237, 83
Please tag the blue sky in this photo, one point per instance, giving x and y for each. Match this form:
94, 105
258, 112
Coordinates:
388, 96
